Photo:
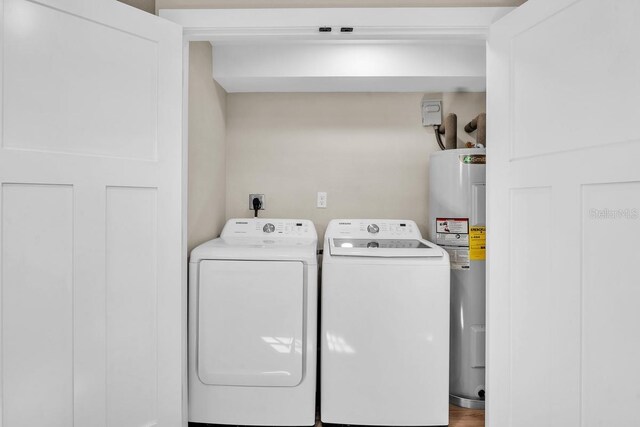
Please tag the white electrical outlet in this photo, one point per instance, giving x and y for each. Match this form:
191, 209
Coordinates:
322, 199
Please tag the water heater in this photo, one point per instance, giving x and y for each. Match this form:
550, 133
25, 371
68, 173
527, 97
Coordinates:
457, 223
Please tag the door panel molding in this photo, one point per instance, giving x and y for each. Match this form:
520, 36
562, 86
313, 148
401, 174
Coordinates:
550, 327
91, 111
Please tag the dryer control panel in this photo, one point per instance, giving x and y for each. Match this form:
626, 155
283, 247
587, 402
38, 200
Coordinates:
374, 228
260, 227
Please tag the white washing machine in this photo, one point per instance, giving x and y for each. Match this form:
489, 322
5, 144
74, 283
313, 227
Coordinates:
385, 325
253, 324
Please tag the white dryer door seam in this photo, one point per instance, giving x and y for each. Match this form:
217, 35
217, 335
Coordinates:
251, 323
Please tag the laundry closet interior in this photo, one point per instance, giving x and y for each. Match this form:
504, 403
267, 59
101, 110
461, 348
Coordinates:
326, 114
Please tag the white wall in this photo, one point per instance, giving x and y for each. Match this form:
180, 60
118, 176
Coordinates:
207, 157
339, 66
369, 152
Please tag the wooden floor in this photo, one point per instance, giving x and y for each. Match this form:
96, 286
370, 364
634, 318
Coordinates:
458, 417
461, 417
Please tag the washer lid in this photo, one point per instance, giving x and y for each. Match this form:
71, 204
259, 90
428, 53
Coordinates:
388, 248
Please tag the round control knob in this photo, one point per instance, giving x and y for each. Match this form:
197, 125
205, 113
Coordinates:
373, 228
269, 228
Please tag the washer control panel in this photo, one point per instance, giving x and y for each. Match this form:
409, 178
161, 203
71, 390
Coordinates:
252, 227
378, 228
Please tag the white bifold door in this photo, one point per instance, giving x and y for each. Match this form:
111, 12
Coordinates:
563, 182
92, 306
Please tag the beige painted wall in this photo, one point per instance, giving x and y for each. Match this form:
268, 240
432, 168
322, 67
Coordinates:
207, 148
237, 4
369, 152
146, 5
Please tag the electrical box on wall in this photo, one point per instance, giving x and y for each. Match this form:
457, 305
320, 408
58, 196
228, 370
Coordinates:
431, 112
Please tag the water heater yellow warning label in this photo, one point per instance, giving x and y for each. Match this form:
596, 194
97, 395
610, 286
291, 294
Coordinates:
477, 243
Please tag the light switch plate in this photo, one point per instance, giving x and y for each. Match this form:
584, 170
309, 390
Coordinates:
322, 199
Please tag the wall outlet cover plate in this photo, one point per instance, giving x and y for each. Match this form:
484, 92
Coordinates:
260, 197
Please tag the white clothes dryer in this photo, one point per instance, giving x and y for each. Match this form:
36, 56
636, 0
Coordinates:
253, 324
385, 325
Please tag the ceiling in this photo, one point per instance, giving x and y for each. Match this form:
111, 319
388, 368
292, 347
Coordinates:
359, 49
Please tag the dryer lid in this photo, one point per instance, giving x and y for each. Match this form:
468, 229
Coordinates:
258, 248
